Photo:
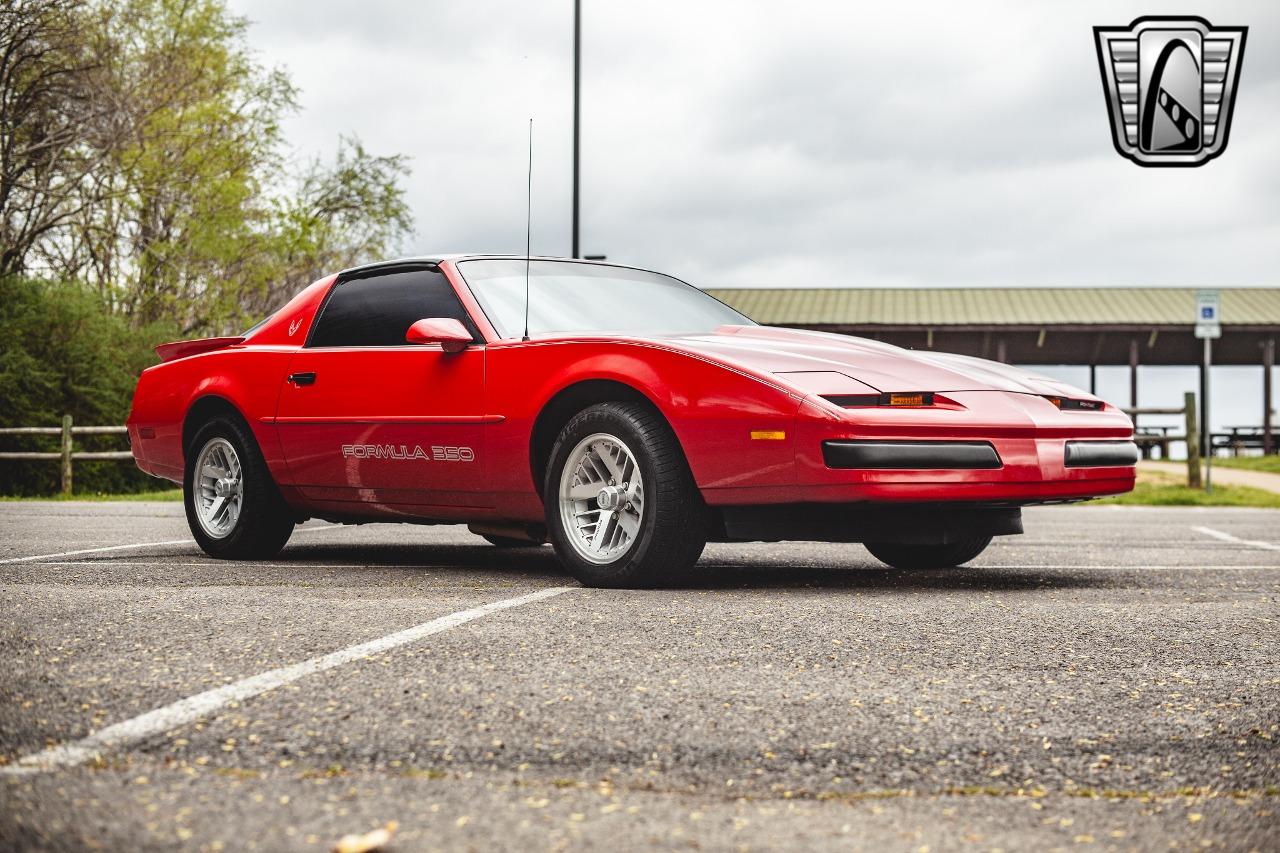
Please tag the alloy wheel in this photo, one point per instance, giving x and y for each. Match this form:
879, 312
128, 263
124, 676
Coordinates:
601, 498
219, 488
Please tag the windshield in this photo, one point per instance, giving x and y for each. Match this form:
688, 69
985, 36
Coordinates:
576, 297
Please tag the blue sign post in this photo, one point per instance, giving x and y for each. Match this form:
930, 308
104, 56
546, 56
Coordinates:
1208, 327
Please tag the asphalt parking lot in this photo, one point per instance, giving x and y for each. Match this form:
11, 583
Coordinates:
1110, 680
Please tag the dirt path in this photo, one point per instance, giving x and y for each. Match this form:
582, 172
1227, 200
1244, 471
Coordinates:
1226, 476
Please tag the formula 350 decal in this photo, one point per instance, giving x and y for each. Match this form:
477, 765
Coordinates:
405, 453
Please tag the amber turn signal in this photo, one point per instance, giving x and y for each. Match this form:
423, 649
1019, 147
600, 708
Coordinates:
857, 401
768, 435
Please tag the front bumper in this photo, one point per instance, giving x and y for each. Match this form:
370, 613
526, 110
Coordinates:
943, 455
929, 455
1044, 453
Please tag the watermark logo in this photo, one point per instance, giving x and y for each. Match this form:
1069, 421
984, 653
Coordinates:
1170, 84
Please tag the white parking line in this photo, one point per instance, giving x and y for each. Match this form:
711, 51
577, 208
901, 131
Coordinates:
1135, 567
137, 545
1227, 537
257, 564
194, 707
98, 550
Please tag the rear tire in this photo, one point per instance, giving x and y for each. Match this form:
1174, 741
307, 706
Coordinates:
620, 465
905, 556
252, 522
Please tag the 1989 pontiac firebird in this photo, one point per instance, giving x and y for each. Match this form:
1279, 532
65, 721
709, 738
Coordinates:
630, 419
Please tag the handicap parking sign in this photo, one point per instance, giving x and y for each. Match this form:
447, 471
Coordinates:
1208, 321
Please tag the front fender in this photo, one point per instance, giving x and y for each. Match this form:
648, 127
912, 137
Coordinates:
735, 429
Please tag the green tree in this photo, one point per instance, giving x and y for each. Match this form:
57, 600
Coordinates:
172, 195
64, 353
183, 232
146, 184
336, 216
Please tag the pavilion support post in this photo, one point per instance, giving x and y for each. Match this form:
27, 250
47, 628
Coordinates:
1002, 354
1193, 441
1093, 379
1268, 366
1204, 409
1133, 374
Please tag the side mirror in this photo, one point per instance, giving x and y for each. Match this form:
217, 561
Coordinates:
450, 334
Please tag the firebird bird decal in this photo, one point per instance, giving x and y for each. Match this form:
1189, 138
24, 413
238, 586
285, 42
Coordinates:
402, 452
293, 327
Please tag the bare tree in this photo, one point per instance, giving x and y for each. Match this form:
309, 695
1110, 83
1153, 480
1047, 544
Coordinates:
58, 120
141, 154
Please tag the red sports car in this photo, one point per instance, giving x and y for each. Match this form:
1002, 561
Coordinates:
624, 415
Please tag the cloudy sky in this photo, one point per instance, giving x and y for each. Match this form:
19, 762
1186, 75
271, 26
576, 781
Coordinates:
789, 144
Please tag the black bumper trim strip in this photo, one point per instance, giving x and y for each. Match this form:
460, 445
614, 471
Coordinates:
1100, 454
923, 455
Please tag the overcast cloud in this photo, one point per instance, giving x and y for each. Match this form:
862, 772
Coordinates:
790, 144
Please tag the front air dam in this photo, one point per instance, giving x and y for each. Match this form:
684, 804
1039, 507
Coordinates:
923, 524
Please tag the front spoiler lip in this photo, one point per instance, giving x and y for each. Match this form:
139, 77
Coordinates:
853, 454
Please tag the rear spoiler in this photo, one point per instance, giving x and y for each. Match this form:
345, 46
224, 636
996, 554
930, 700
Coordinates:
182, 349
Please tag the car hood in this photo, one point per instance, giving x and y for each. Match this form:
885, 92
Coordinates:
886, 368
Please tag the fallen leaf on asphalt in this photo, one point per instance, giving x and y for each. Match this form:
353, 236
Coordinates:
367, 843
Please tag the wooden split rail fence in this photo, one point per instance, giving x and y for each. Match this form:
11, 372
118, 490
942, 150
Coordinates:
1148, 438
67, 454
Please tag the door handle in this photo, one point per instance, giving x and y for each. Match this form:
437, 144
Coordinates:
300, 379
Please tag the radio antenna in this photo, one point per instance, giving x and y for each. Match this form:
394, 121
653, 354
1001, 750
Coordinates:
528, 230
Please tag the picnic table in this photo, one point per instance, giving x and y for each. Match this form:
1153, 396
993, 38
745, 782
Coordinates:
1237, 438
1150, 437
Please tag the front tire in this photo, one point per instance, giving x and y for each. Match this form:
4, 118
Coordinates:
622, 509
234, 509
904, 556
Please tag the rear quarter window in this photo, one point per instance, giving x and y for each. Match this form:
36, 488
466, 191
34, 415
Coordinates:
376, 310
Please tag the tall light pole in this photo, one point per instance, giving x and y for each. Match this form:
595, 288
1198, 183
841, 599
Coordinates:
577, 98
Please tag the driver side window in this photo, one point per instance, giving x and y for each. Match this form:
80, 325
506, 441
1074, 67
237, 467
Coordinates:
376, 310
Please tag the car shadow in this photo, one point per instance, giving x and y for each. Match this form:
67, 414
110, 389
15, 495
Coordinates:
864, 577
531, 563
712, 573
